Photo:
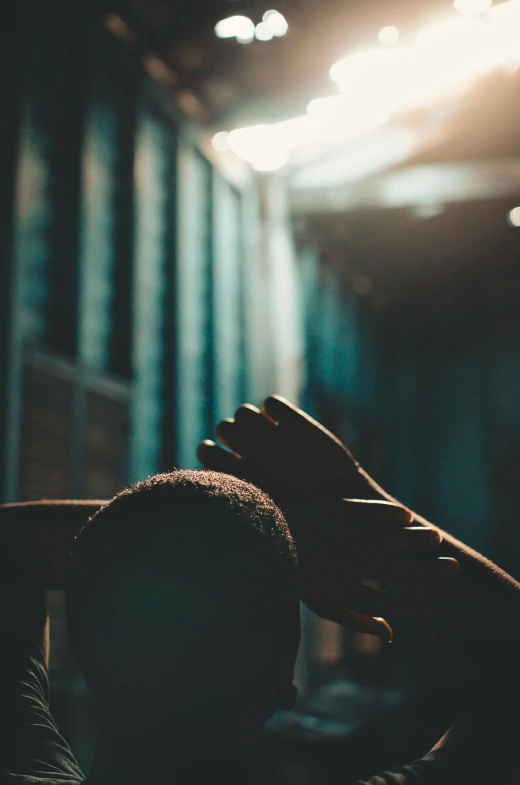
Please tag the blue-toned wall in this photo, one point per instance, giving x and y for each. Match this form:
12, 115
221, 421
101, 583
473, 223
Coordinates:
139, 269
432, 414
147, 289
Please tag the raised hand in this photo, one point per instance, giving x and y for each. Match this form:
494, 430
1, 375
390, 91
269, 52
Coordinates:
345, 544
286, 452
341, 542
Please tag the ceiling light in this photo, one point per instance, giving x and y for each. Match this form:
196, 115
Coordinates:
220, 142
472, 7
239, 27
514, 217
376, 85
389, 36
276, 22
263, 32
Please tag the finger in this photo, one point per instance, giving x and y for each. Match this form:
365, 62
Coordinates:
357, 622
279, 409
308, 435
376, 512
373, 539
216, 459
403, 569
254, 438
371, 602
342, 518
411, 538
337, 569
293, 419
300, 425
228, 435
249, 435
246, 409
254, 465
257, 434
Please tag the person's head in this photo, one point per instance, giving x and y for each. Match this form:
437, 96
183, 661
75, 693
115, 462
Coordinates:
182, 603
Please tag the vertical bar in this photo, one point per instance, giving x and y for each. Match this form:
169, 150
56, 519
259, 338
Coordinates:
11, 57
121, 317
152, 169
98, 231
226, 299
66, 139
169, 388
106, 237
194, 410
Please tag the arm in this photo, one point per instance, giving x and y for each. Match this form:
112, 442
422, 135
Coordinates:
481, 746
290, 455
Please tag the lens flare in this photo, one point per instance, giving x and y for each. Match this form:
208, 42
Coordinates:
239, 27
389, 36
472, 7
514, 217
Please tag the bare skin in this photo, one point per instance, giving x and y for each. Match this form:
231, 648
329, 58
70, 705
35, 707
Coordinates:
342, 542
293, 457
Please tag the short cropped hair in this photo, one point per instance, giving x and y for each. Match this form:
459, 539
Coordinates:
174, 534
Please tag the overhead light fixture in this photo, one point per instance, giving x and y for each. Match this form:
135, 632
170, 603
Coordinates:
513, 217
220, 142
276, 22
472, 7
389, 36
263, 32
239, 27
375, 85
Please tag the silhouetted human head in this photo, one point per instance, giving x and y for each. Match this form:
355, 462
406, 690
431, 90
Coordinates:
183, 607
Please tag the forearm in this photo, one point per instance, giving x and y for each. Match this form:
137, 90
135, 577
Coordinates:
483, 603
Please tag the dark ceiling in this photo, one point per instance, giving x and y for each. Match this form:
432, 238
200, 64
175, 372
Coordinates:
267, 81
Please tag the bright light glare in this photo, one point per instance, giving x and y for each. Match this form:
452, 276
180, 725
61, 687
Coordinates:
268, 147
472, 7
389, 36
263, 32
270, 161
220, 142
349, 71
514, 217
239, 27
325, 107
378, 84
276, 22
259, 146
445, 59
510, 10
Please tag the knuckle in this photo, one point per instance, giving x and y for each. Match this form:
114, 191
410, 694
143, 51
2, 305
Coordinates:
246, 410
224, 425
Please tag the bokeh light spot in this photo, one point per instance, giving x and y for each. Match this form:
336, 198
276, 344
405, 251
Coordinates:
389, 36
514, 217
220, 142
472, 7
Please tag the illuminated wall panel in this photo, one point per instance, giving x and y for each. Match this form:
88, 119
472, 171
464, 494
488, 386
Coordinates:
153, 252
228, 302
106, 124
194, 283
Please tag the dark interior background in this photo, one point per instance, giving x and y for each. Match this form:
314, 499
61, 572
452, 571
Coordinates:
146, 291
